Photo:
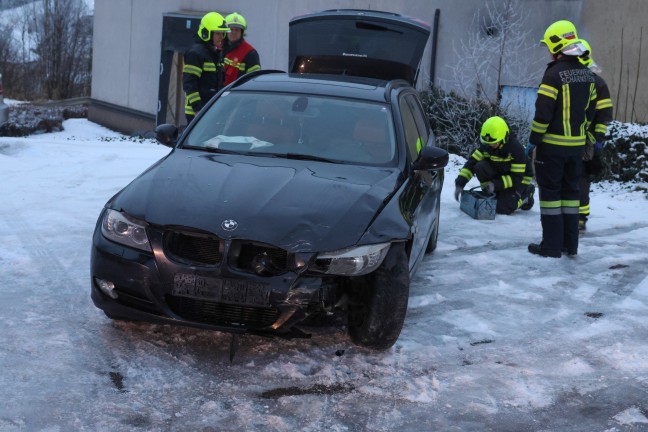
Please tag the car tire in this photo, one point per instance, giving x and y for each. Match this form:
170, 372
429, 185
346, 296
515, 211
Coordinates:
378, 319
432, 243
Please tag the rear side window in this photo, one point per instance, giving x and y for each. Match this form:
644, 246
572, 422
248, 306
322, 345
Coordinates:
422, 125
412, 135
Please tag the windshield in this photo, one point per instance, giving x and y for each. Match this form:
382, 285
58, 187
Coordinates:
295, 126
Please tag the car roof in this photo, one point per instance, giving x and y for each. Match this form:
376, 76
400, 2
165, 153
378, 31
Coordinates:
369, 89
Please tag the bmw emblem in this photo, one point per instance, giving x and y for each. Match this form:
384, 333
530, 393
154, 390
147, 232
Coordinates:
229, 225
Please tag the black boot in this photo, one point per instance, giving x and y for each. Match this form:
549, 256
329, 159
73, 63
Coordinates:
570, 252
537, 249
528, 197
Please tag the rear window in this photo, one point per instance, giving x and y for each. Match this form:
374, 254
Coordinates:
290, 125
356, 46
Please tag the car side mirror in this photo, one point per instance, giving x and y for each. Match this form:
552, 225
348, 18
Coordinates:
166, 134
431, 158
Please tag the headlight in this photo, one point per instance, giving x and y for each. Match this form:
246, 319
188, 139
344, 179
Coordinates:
121, 229
355, 261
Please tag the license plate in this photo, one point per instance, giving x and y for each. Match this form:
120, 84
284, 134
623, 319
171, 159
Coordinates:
220, 290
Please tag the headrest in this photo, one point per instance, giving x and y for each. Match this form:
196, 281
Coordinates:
367, 130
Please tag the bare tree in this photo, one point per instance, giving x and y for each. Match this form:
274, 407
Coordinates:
6, 47
63, 44
456, 120
499, 49
13, 58
8, 4
633, 117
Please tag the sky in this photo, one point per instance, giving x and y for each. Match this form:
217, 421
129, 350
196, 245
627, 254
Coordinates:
495, 338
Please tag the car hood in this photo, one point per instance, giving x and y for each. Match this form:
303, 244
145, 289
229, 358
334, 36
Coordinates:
365, 43
300, 206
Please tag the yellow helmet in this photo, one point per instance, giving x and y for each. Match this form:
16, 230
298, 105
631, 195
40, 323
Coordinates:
210, 23
494, 130
560, 35
587, 60
236, 20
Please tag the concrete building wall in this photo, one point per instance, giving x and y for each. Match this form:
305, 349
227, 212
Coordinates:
618, 34
111, 51
127, 37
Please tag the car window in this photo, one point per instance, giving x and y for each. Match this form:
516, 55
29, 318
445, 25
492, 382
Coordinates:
422, 125
412, 136
292, 125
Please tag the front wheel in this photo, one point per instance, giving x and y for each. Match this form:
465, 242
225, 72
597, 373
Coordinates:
377, 319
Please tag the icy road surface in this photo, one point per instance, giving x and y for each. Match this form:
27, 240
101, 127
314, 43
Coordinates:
495, 339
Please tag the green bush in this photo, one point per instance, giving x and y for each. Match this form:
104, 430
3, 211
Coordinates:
456, 121
624, 153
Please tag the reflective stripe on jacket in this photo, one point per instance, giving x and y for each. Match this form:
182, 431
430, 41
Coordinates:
240, 58
201, 75
565, 104
602, 113
508, 160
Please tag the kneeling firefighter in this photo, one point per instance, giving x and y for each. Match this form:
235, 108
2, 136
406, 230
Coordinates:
501, 167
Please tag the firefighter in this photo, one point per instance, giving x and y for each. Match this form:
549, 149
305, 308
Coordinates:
202, 74
501, 167
240, 56
563, 110
595, 135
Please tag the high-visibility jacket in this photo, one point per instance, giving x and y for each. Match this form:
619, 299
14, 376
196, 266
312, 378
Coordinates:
201, 75
240, 58
508, 160
565, 105
602, 113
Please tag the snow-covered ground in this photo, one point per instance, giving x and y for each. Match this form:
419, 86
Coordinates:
12, 102
495, 339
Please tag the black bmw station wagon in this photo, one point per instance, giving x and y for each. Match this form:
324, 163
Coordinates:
290, 196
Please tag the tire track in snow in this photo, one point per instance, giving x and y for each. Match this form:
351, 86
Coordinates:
37, 249
54, 277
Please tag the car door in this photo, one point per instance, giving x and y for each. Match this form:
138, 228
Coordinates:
421, 196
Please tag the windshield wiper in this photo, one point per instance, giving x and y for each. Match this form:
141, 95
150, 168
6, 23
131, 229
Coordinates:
220, 150
297, 156
300, 156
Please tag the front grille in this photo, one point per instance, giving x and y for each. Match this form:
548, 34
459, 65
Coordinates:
193, 248
222, 314
250, 252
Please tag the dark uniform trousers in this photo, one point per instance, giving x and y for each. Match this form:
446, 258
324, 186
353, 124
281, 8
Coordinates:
558, 173
585, 184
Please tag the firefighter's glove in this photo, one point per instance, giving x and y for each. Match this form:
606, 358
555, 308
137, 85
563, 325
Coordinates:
489, 188
595, 165
598, 146
457, 193
529, 149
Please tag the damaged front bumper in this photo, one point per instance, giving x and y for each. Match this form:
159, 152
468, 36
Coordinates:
131, 284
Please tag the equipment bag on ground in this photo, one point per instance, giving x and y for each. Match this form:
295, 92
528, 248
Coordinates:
478, 204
